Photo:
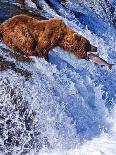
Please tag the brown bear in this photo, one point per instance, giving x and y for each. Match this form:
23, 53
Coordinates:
37, 37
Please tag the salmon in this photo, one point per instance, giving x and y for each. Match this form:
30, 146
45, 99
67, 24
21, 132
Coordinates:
98, 60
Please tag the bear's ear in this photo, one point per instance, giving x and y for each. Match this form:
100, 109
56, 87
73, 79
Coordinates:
77, 36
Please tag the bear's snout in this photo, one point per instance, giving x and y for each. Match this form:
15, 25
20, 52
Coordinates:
93, 48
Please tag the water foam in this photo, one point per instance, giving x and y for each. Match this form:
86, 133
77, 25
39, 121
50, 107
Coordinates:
66, 108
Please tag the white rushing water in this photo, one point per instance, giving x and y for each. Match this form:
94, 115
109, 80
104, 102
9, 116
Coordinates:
102, 145
67, 107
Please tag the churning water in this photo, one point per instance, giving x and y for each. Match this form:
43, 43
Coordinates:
66, 106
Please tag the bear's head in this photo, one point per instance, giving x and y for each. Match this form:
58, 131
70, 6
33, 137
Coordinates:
82, 46
77, 44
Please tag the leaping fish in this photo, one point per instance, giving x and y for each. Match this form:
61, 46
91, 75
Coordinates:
99, 61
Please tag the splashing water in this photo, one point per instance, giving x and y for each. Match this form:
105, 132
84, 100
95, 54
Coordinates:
66, 107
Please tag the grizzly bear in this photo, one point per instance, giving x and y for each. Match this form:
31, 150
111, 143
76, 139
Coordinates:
36, 37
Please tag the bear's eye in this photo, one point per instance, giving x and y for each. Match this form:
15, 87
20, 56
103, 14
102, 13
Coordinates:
88, 47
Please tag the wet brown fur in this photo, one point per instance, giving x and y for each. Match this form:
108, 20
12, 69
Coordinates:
35, 37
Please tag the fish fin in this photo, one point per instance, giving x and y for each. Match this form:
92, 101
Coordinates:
87, 58
110, 66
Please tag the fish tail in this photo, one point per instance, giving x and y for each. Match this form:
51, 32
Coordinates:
110, 66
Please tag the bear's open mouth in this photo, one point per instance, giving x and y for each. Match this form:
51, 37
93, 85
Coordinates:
0, 39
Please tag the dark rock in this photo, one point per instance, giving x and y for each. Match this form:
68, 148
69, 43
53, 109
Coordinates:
8, 10
63, 1
8, 153
1, 129
8, 142
4, 65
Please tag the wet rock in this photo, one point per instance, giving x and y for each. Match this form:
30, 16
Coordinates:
21, 2
18, 56
5, 64
8, 10
9, 123
1, 129
24, 73
22, 58
63, 1
8, 153
39, 7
